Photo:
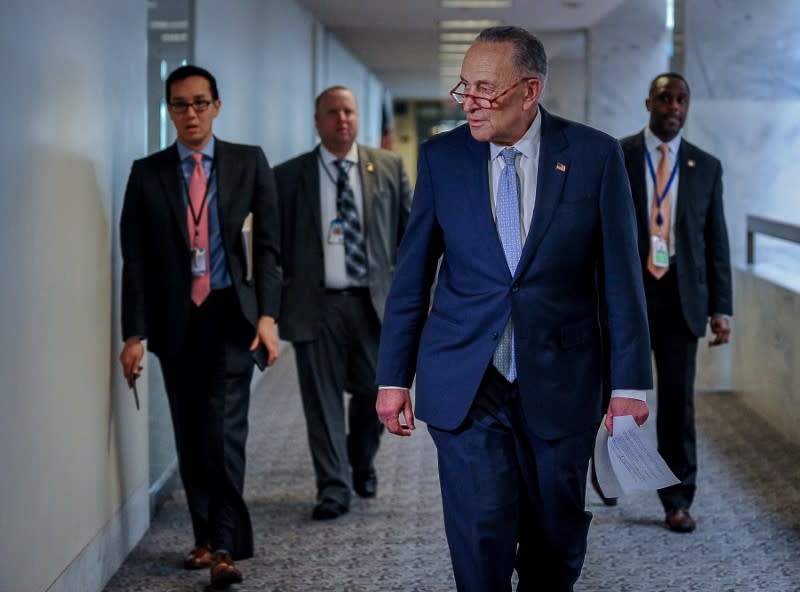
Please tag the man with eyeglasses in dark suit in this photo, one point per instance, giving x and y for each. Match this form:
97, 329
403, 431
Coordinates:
206, 301
532, 218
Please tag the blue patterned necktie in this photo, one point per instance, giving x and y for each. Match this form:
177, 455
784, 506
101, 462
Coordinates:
508, 227
355, 254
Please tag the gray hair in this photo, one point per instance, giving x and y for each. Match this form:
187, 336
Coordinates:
529, 54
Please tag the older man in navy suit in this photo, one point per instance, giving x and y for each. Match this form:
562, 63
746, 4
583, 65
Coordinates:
532, 218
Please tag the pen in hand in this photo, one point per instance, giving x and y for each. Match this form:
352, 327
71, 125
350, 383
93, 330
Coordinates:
132, 384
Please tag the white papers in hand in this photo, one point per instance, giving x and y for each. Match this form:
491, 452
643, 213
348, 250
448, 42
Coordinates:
627, 461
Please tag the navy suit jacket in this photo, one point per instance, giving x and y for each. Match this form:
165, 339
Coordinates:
582, 239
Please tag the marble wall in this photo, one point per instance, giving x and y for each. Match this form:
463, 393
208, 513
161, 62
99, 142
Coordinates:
766, 368
627, 49
742, 63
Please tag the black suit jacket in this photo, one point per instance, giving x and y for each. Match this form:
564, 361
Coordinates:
156, 273
701, 237
387, 201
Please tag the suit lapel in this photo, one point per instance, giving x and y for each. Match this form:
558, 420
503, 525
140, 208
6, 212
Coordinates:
686, 175
476, 172
640, 198
553, 170
225, 170
308, 196
170, 175
369, 185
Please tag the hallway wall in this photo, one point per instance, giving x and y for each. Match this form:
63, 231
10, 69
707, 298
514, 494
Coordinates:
742, 64
74, 494
74, 446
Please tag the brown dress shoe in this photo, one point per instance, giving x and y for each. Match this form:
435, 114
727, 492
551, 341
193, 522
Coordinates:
223, 571
679, 520
198, 558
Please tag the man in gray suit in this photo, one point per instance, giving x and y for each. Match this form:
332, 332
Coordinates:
343, 210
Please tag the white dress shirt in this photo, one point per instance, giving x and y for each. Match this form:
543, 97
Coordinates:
334, 260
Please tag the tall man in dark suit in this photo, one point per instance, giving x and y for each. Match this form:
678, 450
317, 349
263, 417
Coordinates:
683, 247
187, 288
531, 214
344, 208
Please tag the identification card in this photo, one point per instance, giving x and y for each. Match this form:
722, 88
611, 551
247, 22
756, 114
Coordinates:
336, 233
198, 261
660, 252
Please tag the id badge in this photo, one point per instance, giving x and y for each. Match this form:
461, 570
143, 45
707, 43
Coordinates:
336, 233
660, 252
198, 261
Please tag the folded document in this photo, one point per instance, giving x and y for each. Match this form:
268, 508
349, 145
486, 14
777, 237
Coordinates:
628, 461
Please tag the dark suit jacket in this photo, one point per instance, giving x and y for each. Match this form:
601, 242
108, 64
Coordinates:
387, 200
583, 230
701, 238
156, 273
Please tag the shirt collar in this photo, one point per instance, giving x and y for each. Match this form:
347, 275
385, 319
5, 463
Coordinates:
652, 142
185, 152
528, 144
329, 157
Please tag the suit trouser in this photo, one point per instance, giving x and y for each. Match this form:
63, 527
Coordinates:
503, 486
342, 358
675, 352
208, 386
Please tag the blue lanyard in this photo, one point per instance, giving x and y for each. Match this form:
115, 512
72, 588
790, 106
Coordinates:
663, 196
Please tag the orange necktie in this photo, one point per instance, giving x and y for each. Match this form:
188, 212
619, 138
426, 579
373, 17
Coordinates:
656, 229
198, 235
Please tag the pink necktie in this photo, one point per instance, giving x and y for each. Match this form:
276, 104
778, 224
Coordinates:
656, 229
198, 236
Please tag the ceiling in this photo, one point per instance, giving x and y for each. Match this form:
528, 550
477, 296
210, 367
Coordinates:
399, 40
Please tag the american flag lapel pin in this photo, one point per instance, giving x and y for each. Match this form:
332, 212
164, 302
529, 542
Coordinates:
561, 167
690, 163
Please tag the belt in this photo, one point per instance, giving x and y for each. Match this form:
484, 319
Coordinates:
354, 291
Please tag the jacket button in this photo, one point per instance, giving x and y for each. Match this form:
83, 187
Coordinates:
495, 336
515, 287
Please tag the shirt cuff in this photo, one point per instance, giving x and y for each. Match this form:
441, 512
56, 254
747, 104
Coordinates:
629, 394
383, 388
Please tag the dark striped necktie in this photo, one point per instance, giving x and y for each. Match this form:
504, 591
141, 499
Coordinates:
355, 253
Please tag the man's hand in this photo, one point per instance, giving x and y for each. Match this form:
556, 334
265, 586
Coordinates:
391, 403
267, 333
721, 327
619, 406
131, 358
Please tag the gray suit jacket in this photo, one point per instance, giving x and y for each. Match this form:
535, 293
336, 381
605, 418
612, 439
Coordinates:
387, 201
701, 236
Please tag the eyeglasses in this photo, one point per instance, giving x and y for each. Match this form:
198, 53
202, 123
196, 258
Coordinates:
482, 102
198, 106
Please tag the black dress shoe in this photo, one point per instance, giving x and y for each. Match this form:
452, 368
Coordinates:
328, 509
365, 483
679, 520
609, 501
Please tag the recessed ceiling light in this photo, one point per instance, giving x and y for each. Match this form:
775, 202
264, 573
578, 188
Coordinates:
454, 47
167, 25
458, 37
476, 3
478, 24
174, 38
